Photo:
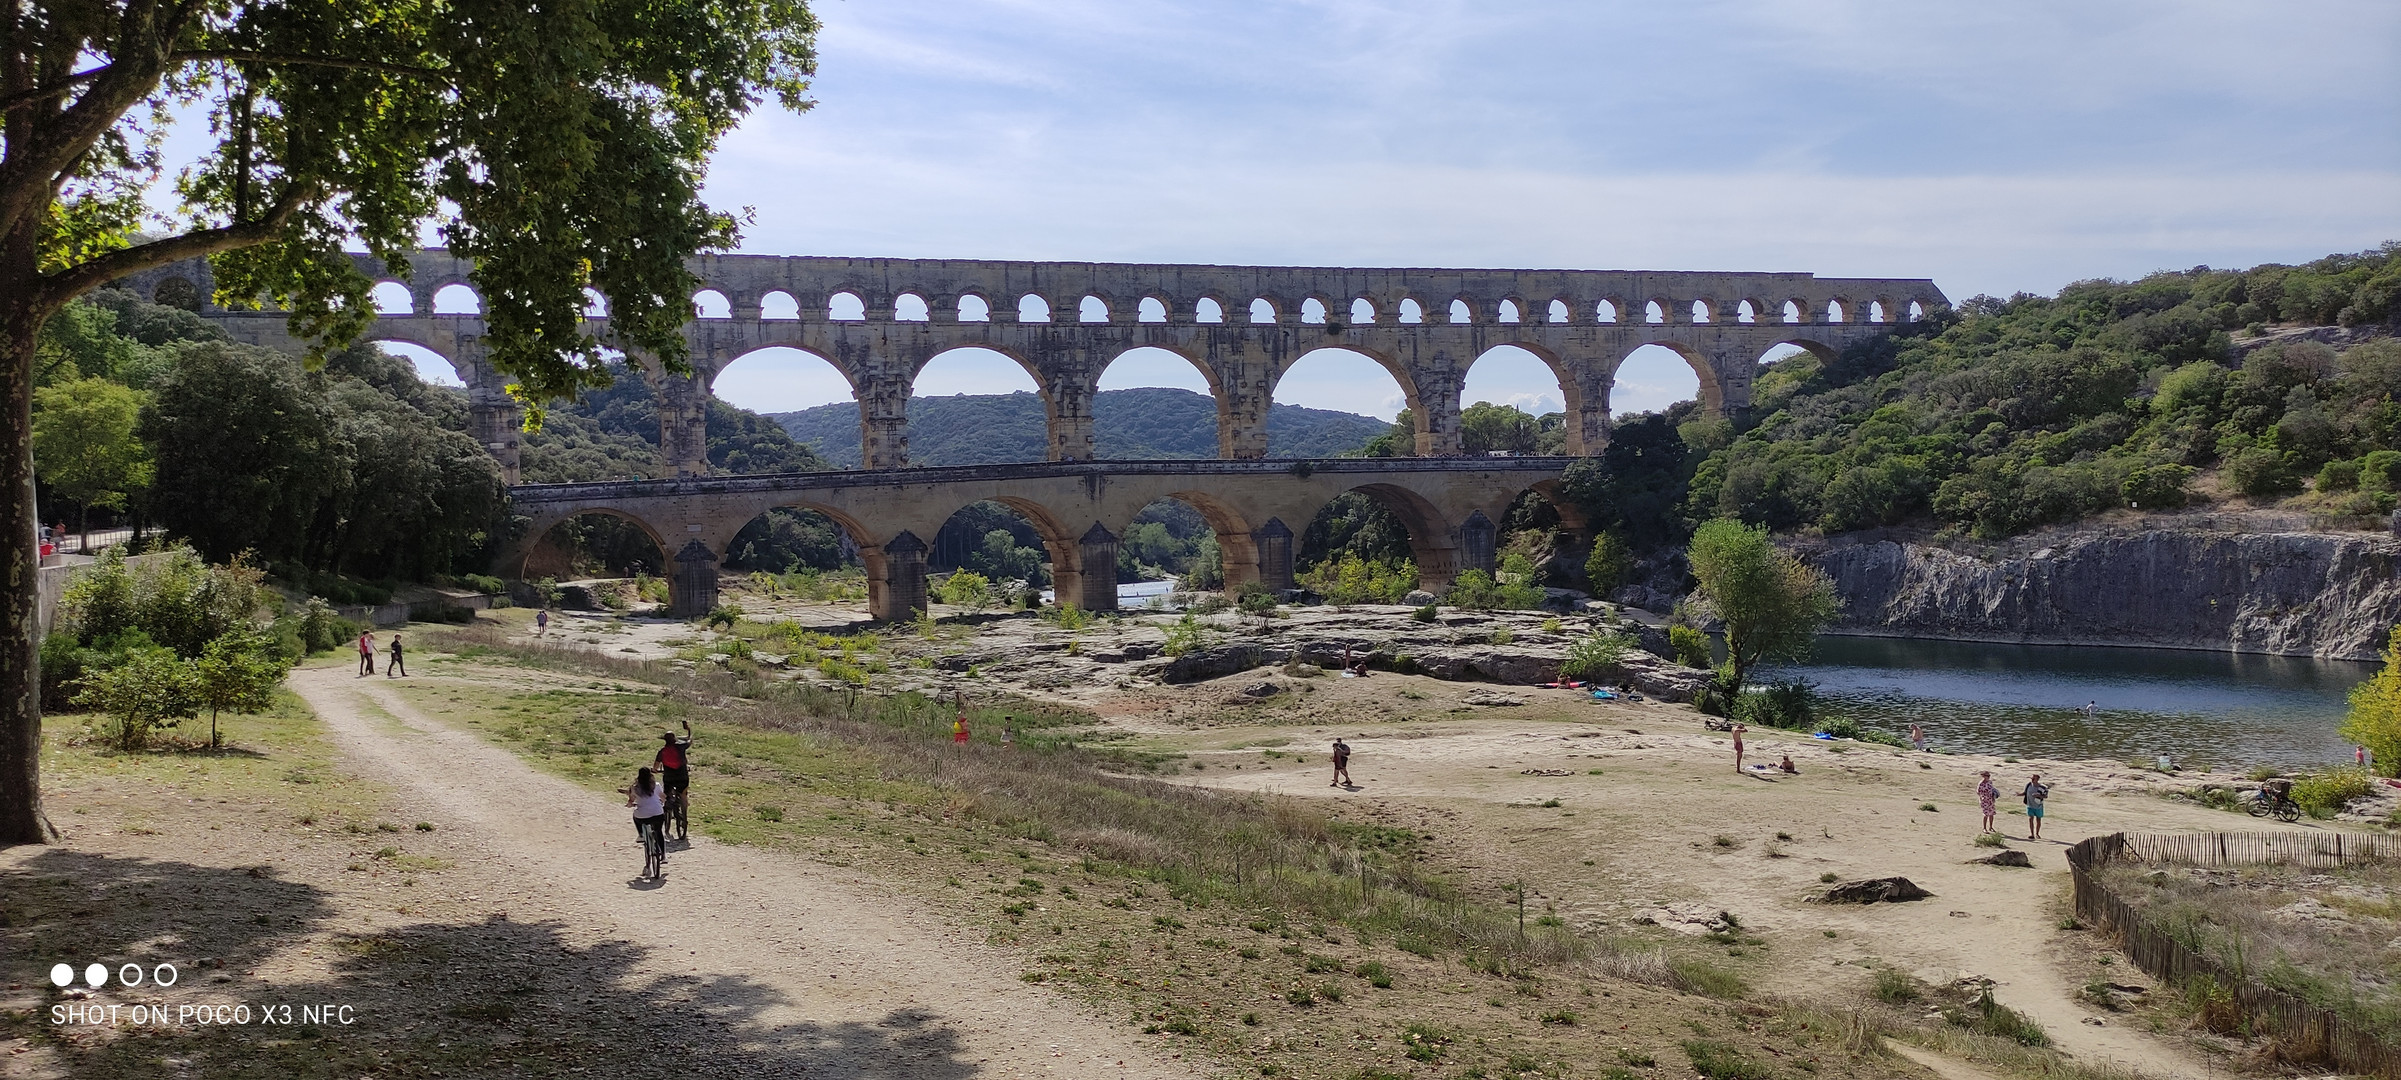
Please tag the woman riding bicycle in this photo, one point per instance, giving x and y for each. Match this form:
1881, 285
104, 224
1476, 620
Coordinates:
650, 816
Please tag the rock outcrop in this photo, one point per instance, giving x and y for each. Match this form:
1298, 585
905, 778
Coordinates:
2323, 594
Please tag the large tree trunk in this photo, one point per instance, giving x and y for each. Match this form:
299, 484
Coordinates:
21, 818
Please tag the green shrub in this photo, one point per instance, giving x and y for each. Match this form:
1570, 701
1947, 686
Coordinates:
1790, 704
2381, 471
1718, 1061
1690, 646
1354, 580
1187, 635
2338, 476
1896, 987
2323, 795
1424, 614
1595, 655
2261, 473
485, 583
1424, 1042
724, 616
2157, 487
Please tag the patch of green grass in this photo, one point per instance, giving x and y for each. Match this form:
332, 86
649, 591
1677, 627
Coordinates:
1894, 987
1715, 1060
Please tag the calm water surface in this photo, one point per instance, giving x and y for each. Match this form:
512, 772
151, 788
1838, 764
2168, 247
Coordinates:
2199, 707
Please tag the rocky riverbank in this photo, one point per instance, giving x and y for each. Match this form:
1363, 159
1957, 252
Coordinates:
2331, 595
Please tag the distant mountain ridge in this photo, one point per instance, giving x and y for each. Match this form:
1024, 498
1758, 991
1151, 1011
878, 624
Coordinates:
1145, 422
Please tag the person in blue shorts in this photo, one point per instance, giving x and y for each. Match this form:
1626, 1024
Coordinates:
2036, 791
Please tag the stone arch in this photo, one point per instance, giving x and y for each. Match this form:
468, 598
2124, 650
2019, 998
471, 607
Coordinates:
1702, 312
1432, 544
526, 559
1509, 310
1150, 309
1837, 310
1571, 396
1364, 311
711, 304
1796, 311
1655, 311
1410, 312
1315, 311
1239, 539
1749, 312
709, 374
910, 307
845, 305
447, 300
1400, 372
596, 306
177, 291
1092, 309
1208, 309
1607, 311
1066, 546
1034, 308
1265, 312
971, 307
1559, 311
1713, 391
1226, 419
392, 298
1462, 311
779, 305
379, 332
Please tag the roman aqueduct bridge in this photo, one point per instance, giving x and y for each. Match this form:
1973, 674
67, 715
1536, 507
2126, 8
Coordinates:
880, 321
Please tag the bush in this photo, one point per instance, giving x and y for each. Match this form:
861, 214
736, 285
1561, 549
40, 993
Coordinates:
1690, 646
1476, 590
485, 583
1611, 560
1353, 580
2381, 471
2338, 476
1718, 1061
1595, 654
1187, 635
2324, 794
1790, 704
967, 589
153, 688
1427, 613
2261, 473
2157, 487
724, 616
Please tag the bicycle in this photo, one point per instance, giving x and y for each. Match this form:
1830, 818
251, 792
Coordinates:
676, 798
2275, 800
654, 850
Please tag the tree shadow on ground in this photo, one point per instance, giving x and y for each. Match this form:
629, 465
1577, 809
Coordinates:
492, 998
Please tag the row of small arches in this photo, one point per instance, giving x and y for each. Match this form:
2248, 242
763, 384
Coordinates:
392, 298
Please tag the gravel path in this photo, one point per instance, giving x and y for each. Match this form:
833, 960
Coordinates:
824, 956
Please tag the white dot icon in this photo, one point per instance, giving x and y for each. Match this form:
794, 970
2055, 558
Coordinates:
96, 975
62, 974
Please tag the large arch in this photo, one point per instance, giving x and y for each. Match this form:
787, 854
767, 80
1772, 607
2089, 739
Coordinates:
1516, 362
1429, 417
784, 379
1159, 368
1710, 391
976, 366
1434, 542
545, 554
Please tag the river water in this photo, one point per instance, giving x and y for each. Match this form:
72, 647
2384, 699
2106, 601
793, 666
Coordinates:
2201, 708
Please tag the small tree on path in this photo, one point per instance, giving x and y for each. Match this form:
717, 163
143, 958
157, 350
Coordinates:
237, 673
1771, 604
2375, 718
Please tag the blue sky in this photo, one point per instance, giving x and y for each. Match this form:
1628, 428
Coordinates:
1994, 148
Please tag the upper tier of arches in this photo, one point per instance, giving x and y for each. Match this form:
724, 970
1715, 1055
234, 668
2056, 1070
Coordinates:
815, 288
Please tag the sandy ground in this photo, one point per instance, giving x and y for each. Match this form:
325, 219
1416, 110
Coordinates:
1640, 840
833, 951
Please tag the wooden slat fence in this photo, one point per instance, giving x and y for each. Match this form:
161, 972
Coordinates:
2308, 1032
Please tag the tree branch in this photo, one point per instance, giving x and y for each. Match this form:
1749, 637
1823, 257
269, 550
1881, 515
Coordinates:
247, 56
62, 87
68, 284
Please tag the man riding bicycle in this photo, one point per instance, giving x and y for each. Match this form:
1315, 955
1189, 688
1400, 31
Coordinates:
674, 762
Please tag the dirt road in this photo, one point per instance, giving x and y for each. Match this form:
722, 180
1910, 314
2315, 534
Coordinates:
831, 954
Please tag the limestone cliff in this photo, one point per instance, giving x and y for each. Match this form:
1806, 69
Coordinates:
2319, 594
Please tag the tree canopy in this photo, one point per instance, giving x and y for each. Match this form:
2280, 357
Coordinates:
559, 147
1771, 604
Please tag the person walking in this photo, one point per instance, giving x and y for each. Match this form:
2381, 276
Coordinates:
1008, 732
1917, 737
1342, 764
395, 669
541, 622
1738, 730
2035, 793
366, 652
958, 727
1989, 797
2092, 709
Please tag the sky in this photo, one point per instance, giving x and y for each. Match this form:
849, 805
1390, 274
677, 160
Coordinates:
1996, 148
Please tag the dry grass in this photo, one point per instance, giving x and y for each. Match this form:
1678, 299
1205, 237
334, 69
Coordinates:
2321, 934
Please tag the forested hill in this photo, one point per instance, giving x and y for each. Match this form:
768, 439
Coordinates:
2273, 385
1146, 422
